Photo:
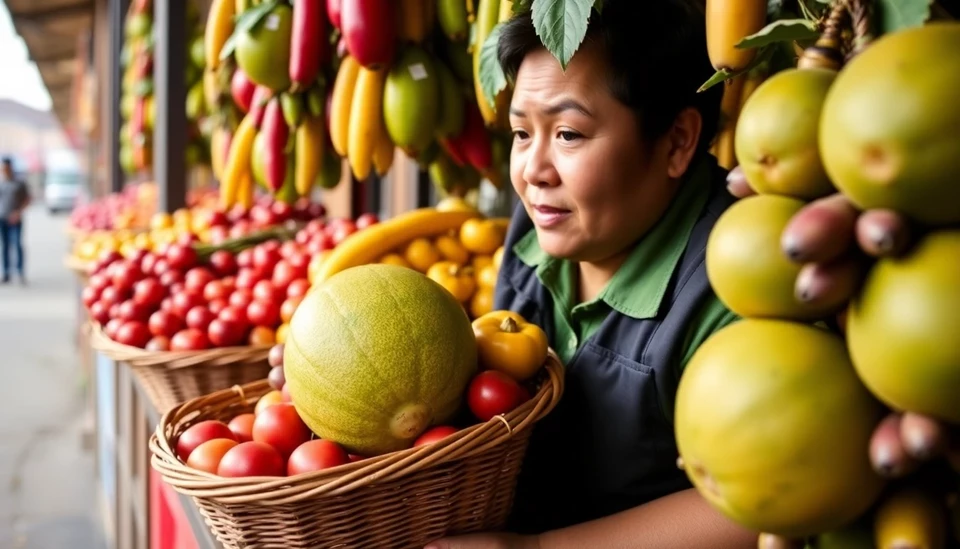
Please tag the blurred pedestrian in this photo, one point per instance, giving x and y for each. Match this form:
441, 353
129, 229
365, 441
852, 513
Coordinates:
14, 199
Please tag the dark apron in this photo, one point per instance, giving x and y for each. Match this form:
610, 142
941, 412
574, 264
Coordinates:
609, 445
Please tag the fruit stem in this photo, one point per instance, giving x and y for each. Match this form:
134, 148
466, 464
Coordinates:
509, 325
827, 52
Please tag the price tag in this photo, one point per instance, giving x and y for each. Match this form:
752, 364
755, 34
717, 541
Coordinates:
418, 71
272, 22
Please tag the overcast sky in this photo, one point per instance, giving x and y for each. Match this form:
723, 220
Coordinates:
21, 80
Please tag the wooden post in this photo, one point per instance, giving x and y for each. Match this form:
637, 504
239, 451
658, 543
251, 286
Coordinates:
170, 91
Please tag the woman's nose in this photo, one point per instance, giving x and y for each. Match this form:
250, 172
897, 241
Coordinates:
538, 168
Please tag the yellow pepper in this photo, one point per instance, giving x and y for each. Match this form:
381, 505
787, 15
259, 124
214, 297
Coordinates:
508, 343
457, 280
482, 236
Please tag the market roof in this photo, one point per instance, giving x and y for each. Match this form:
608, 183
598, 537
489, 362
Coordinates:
51, 31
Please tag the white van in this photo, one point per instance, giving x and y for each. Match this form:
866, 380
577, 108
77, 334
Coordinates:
63, 179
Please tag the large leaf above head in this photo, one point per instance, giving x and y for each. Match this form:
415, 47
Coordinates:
784, 30
894, 15
244, 23
561, 26
492, 79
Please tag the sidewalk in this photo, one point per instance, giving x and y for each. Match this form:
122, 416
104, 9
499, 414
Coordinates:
47, 489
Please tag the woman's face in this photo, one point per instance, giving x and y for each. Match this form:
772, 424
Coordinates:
588, 182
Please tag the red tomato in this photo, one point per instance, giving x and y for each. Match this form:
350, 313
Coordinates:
148, 263
289, 248
285, 273
302, 237
158, 344
149, 292
199, 318
282, 210
435, 434
170, 277
197, 434
224, 263
280, 426
252, 459
314, 226
242, 427
267, 400
248, 277
99, 281
492, 393
235, 314
181, 257
298, 288
167, 305
367, 220
207, 456
263, 313
189, 340
112, 327
197, 278
217, 305
241, 297
300, 261
266, 256
215, 289
89, 296
134, 333
131, 310
320, 242
288, 307
316, 455
268, 291
100, 312
225, 333
111, 295
126, 275
184, 301
245, 258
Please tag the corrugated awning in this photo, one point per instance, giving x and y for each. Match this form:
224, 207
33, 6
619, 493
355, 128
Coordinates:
51, 30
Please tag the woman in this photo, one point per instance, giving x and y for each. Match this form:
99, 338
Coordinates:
606, 253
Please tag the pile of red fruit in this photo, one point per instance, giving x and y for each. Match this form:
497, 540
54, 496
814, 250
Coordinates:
171, 300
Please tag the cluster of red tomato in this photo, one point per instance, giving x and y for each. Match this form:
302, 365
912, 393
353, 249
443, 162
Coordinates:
170, 300
274, 440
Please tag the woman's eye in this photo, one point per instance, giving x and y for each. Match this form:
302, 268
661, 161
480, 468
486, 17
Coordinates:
567, 135
519, 134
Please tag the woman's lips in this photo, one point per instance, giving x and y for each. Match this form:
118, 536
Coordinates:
548, 216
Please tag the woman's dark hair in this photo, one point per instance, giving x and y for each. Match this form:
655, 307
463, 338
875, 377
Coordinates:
657, 55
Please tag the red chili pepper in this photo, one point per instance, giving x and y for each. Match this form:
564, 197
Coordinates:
276, 134
307, 42
333, 13
258, 105
473, 143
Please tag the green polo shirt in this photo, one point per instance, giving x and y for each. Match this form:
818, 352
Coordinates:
639, 287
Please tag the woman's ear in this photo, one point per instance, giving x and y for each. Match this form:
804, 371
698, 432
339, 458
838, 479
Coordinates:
683, 138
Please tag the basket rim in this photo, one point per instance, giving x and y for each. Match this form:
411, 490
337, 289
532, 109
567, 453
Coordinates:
173, 360
467, 442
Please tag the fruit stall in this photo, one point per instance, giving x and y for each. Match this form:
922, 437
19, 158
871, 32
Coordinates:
288, 193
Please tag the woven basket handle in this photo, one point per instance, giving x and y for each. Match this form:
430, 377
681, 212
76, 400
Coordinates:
828, 51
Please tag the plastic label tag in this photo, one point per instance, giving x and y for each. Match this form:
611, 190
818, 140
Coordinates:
418, 71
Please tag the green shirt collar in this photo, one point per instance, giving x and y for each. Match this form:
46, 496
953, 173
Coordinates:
639, 286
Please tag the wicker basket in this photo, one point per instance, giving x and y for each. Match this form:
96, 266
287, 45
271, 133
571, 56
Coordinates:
169, 378
463, 483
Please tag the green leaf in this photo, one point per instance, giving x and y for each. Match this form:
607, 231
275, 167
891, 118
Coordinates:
245, 22
784, 30
894, 15
492, 79
520, 6
561, 26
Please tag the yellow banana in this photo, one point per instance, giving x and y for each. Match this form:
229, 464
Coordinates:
238, 162
308, 152
245, 192
909, 517
506, 11
218, 151
724, 148
340, 104
729, 22
218, 29
412, 20
366, 117
488, 12
729, 111
366, 246
383, 152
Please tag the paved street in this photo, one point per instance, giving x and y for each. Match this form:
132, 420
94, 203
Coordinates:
47, 489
